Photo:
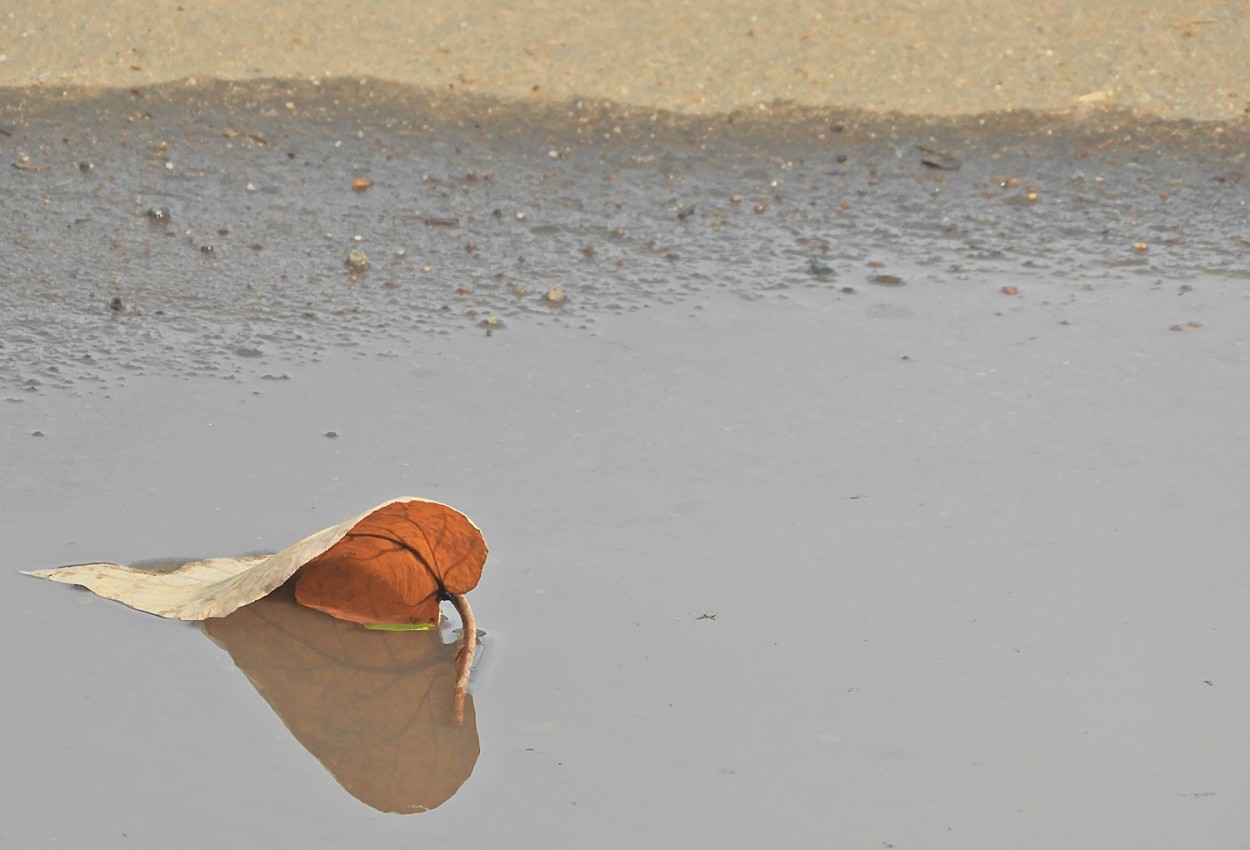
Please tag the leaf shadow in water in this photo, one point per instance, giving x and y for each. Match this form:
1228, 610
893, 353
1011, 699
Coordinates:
375, 708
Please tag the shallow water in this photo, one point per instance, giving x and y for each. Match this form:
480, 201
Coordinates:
771, 562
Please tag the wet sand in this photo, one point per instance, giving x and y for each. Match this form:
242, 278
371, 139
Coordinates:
219, 218
880, 480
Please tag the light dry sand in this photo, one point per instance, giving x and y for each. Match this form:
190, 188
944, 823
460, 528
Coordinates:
1174, 59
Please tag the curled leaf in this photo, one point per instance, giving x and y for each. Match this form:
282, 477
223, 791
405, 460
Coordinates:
391, 564
395, 565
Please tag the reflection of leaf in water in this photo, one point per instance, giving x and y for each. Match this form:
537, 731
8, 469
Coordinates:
376, 708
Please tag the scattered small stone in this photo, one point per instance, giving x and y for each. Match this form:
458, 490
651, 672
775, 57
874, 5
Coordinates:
886, 280
1186, 326
85, 166
206, 250
357, 261
1010, 290
36, 433
442, 222
361, 184
1184, 287
1140, 246
116, 305
938, 159
160, 215
555, 295
819, 268
491, 322
684, 212
332, 434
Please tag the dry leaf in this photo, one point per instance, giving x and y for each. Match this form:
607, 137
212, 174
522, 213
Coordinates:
392, 564
395, 565
374, 708
394, 561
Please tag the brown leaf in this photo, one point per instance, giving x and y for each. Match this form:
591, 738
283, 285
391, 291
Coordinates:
396, 565
438, 545
390, 565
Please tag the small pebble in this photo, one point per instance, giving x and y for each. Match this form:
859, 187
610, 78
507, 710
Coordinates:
555, 295
357, 261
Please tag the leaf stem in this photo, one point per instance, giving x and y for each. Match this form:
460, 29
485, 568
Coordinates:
464, 659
